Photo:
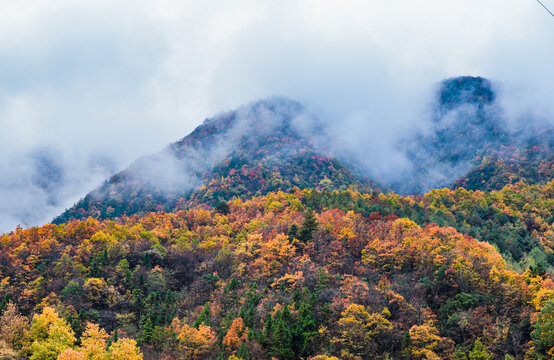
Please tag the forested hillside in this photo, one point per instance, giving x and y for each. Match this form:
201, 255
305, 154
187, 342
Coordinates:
252, 239
304, 274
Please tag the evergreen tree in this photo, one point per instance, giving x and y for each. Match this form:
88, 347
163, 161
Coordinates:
479, 351
268, 329
309, 226
146, 260
105, 259
308, 327
233, 284
222, 207
147, 331
406, 344
230, 297
4, 302
293, 232
281, 340
242, 352
204, 317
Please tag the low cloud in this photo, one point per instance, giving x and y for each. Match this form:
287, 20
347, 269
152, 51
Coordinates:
117, 80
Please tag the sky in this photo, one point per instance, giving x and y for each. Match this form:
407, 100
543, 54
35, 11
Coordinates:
88, 86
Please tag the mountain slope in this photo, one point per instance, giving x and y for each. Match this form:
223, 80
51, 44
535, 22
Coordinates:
256, 149
470, 144
267, 278
276, 144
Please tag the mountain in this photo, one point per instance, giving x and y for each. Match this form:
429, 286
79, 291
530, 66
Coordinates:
470, 143
235, 268
277, 144
256, 149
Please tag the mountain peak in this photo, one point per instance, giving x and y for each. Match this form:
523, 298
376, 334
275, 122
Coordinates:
276, 104
462, 90
260, 147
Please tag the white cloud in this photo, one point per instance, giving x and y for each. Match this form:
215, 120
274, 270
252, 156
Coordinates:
121, 79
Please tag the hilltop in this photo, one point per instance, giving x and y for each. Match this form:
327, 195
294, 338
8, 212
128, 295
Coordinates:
470, 143
264, 146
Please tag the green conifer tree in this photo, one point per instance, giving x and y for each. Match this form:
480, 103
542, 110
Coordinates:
479, 351
204, 317
309, 226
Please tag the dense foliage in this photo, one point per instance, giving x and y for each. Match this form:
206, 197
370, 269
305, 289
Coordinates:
289, 275
517, 219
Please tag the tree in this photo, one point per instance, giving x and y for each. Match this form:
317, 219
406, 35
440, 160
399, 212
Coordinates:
14, 328
196, 343
204, 317
293, 232
93, 342
459, 354
428, 344
99, 293
233, 357
147, 330
222, 207
308, 326
309, 226
235, 335
146, 260
7, 353
353, 333
479, 351
71, 354
543, 332
51, 334
125, 349
60, 337
281, 340
406, 344
362, 333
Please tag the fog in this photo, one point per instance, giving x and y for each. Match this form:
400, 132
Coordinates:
88, 87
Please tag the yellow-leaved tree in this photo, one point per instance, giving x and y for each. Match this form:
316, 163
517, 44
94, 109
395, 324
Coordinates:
236, 335
124, 349
94, 347
51, 335
194, 343
93, 342
71, 354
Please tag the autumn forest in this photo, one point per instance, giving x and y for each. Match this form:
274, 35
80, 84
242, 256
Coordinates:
264, 245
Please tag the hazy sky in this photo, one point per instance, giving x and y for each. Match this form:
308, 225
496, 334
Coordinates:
88, 86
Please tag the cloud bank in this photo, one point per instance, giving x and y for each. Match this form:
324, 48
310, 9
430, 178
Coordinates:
87, 87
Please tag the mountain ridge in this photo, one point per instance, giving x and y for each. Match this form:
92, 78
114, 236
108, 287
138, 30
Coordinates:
265, 145
276, 143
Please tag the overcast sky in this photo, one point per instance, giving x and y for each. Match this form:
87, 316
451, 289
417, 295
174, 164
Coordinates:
88, 86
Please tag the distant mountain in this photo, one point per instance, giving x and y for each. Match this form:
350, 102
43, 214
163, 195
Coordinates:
471, 145
262, 147
277, 144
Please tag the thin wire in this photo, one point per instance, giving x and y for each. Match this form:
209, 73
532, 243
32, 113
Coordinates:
550, 12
